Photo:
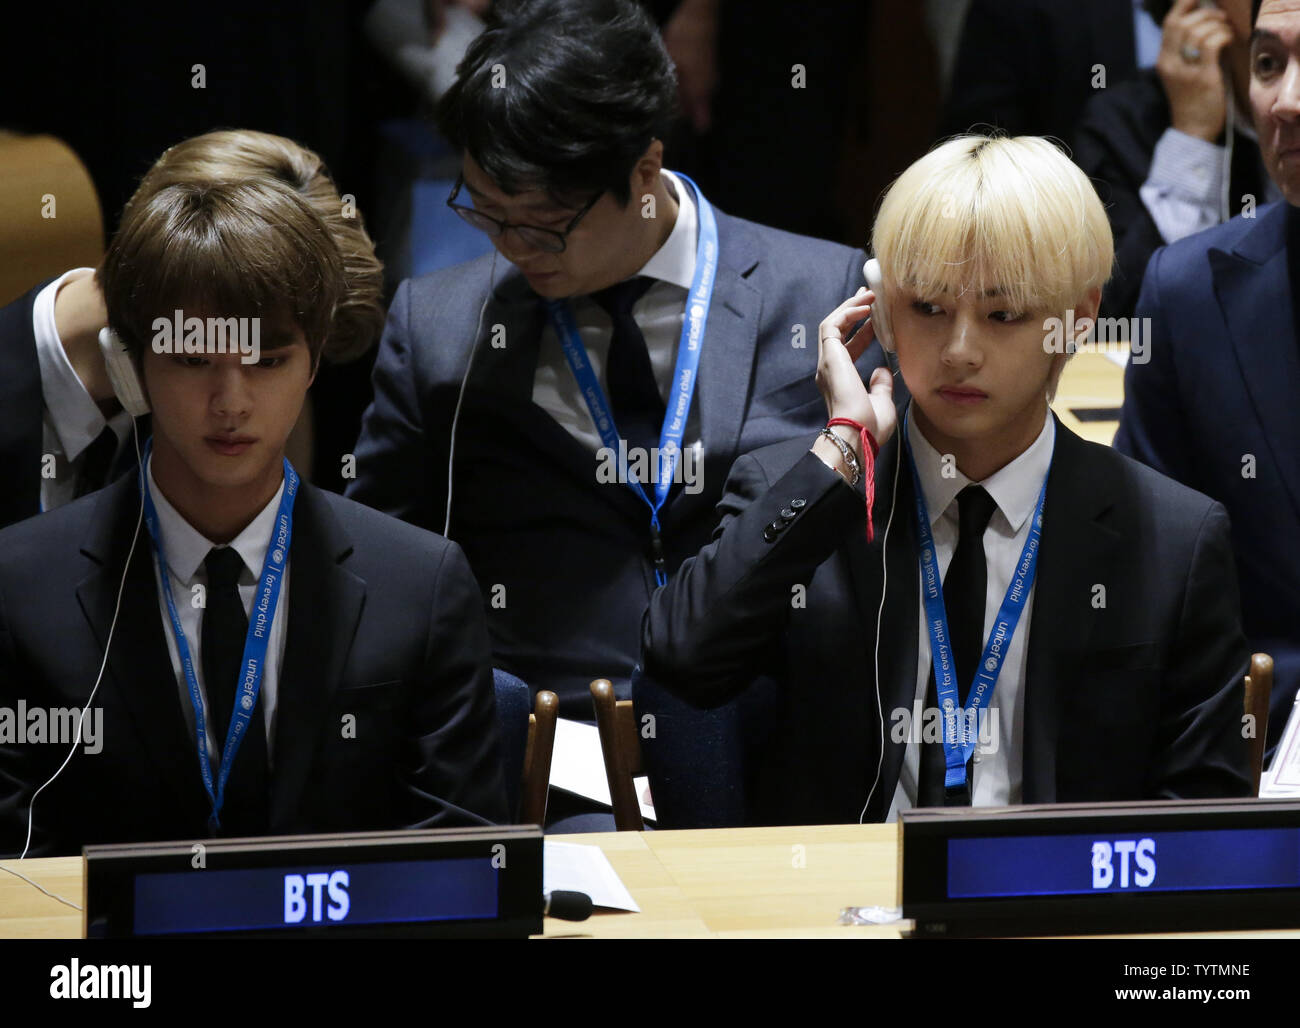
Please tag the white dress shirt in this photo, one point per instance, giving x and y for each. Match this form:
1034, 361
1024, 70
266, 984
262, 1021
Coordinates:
1183, 192
71, 420
659, 314
998, 767
186, 548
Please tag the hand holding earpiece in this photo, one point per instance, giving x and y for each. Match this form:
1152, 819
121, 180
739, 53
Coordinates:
841, 386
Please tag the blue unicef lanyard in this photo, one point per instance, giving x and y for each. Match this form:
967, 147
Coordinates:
957, 744
259, 632
688, 362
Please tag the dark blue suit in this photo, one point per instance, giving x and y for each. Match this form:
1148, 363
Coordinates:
565, 561
1218, 408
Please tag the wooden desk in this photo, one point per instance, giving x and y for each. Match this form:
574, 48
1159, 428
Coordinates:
741, 882
788, 882
1091, 382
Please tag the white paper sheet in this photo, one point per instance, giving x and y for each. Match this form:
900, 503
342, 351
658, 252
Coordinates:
584, 868
1283, 776
578, 766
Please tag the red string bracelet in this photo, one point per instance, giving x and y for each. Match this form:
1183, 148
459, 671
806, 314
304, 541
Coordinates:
869, 451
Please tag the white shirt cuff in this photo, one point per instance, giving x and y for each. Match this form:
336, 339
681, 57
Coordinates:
76, 418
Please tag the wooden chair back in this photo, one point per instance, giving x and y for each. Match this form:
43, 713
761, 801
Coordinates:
537, 759
621, 747
1259, 687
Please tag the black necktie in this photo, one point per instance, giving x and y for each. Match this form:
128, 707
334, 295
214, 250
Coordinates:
224, 630
963, 600
637, 407
96, 462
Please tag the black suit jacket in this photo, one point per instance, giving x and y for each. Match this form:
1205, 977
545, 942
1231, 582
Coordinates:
21, 405
384, 625
20, 410
563, 559
1026, 66
1138, 699
1114, 145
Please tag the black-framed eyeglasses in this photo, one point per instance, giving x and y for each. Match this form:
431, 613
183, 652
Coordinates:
547, 239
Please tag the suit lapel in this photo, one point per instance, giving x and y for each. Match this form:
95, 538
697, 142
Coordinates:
901, 620
325, 602
1251, 284
1077, 549
139, 669
730, 342
503, 379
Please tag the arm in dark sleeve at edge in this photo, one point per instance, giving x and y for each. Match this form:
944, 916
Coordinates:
707, 631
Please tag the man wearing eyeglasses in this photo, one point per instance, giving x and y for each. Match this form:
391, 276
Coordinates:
578, 408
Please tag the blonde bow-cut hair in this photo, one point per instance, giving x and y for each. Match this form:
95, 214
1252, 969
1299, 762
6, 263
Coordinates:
995, 213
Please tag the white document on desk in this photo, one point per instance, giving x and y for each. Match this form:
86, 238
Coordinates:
584, 868
578, 766
1283, 777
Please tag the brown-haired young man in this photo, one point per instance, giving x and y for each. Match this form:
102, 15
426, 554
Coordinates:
62, 431
351, 654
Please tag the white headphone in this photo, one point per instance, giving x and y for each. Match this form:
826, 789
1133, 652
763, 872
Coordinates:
122, 373
879, 314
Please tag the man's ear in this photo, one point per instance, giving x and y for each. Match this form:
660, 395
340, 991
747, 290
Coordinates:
1085, 315
648, 166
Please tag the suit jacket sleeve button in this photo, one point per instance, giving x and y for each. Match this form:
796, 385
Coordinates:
769, 534
798, 504
787, 514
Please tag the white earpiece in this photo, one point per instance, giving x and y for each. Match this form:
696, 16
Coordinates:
122, 373
879, 313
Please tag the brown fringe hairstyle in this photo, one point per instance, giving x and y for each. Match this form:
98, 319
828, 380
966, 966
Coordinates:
222, 249
238, 155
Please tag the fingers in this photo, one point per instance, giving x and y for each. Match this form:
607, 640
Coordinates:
855, 309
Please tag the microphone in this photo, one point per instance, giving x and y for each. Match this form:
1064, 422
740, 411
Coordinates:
566, 905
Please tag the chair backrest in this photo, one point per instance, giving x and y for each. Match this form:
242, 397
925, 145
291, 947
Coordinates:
49, 213
1259, 688
527, 742
620, 746
699, 760
536, 783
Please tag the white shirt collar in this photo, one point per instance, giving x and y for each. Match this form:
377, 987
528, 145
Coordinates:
675, 261
185, 547
1014, 488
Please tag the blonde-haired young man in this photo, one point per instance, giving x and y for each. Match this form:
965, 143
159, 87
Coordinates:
1025, 617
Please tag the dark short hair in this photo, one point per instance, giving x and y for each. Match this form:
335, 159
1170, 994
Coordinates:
562, 96
232, 249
